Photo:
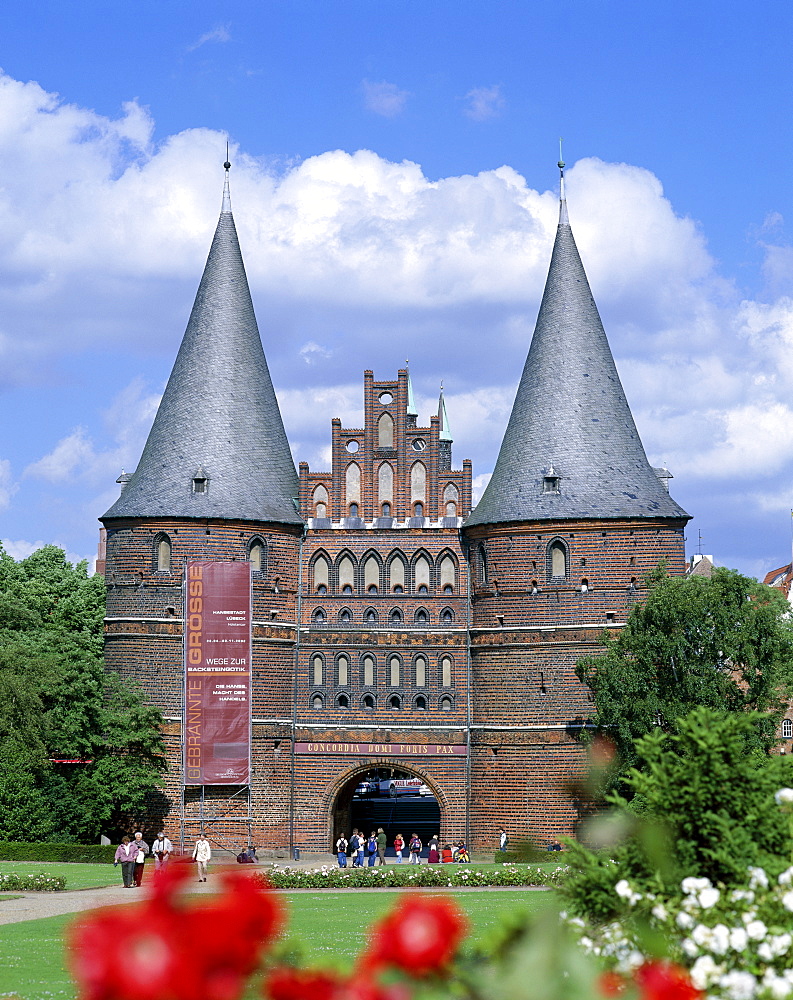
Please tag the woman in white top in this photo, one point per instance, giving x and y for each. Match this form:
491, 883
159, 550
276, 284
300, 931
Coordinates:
202, 854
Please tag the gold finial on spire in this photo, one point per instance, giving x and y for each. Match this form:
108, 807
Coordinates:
226, 207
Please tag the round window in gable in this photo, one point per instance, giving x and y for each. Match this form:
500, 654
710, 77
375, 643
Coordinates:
419, 444
352, 447
386, 398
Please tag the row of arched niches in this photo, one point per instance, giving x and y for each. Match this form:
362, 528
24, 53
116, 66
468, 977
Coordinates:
376, 574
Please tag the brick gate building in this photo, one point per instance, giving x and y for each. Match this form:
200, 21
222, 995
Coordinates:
393, 626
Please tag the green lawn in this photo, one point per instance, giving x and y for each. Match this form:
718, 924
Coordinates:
77, 876
32, 961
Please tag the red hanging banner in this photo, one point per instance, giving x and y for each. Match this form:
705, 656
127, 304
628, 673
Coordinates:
217, 656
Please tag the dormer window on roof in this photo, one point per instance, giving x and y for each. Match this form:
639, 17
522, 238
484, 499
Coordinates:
200, 481
551, 481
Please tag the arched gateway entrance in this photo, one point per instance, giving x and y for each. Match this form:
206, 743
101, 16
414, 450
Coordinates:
398, 799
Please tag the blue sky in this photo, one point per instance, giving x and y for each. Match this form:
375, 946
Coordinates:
393, 184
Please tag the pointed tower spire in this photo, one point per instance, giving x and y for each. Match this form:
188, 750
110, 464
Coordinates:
444, 433
219, 414
411, 410
571, 448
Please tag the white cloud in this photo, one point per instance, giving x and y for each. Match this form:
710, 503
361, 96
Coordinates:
384, 98
220, 33
20, 549
484, 103
312, 352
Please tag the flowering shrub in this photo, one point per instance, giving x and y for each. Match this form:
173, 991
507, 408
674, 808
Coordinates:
737, 942
32, 883
412, 876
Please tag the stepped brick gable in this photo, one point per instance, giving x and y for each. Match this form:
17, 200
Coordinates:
395, 629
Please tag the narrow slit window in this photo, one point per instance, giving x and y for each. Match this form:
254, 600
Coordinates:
368, 671
421, 672
164, 555
385, 431
446, 671
394, 671
317, 670
343, 668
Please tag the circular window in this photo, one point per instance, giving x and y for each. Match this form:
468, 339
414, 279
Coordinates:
386, 398
352, 447
419, 444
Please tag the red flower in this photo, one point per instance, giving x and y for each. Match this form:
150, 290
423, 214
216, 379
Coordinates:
419, 936
665, 981
296, 984
165, 950
611, 984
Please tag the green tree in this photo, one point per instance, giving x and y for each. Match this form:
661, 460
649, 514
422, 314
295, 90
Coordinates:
724, 642
58, 702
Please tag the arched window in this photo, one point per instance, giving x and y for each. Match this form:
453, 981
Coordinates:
343, 670
451, 509
446, 671
418, 483
396, 575
394, 671
370, 616
481, 558
367, 671
421, 671
448, 574
317, 701
346, 574
395, 617
162, 554
318, 617
386, 510
345, 615
320, 500
321, 575
421, 574
352, 482
385, 431
420, 704
343, 701
395, 702
421, 617
371, 575
446, 704
450, 493
256, 555
557, 559
317, 669
385, 483
368, 702
447, 616
787, 729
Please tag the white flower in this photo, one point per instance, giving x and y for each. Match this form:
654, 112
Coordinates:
780, 943
684, 920
659, 911
756, 930
786, 877
689, 947
742, 894
764, 951
691, 884
703, 971
738, 985
778, 986
708, 898
784, 796
623, 889
739, 939
758, 878
586, 943
787, 901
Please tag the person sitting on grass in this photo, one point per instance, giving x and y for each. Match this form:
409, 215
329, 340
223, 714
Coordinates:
446, 854
461, 855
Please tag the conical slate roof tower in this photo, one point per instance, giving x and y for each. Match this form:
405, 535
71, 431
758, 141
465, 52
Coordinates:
217, 448
571, 449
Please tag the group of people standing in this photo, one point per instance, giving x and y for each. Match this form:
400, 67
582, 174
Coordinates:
131, 855
364, 850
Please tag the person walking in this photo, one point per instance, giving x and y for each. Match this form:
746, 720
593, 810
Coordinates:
341, 851
371, 848
381, 845
202, 853
162, 849
126, 853
399, 846
355, 844
140, 857
415, 847
503, 839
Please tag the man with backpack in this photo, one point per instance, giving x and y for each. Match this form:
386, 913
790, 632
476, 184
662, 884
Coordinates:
415, 847
371, 848
355, 848
341, 851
